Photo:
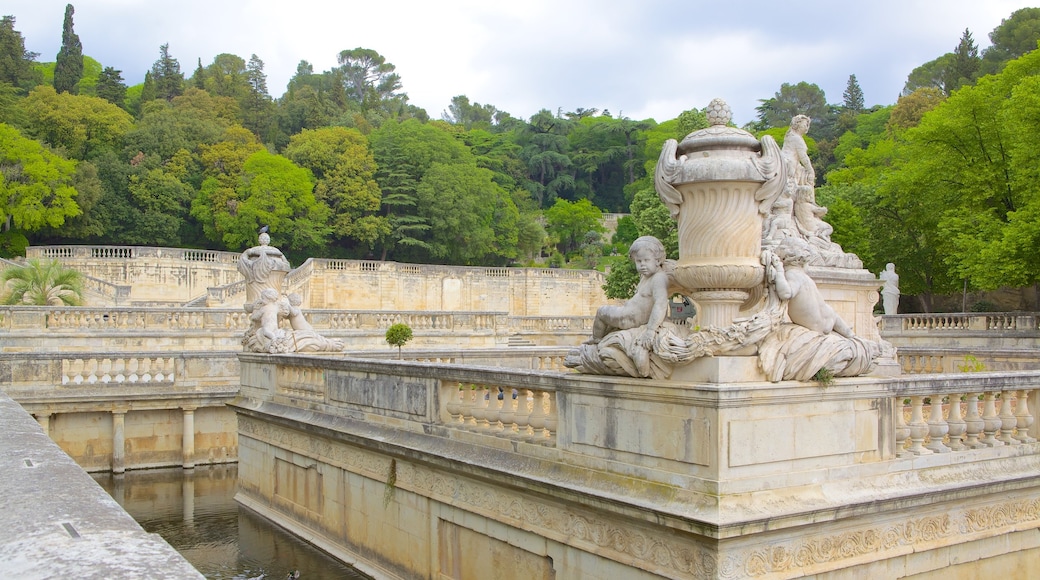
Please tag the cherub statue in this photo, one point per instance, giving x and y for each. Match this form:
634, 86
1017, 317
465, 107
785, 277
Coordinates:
805, 305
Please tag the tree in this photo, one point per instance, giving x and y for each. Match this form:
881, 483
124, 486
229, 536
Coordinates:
367, 77
964, 67
35, 185
472, 221
568, 222
545, 151
42, 283
462, 112
79, 124
167, 75
909, 109
397, 335
256, 103
226, 77
110, 86
930, 75
68, 66
799, 99
271, 191
344, 168
852, 98
404, 152
1012, 38
16, 63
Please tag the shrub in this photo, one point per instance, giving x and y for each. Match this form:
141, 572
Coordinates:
397, 335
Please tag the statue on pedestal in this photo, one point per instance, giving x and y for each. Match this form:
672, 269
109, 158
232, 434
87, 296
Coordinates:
890, 289
264, 268
748, 226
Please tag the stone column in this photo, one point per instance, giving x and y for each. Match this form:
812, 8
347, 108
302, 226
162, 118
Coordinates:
118, 441
189, 438
44, 419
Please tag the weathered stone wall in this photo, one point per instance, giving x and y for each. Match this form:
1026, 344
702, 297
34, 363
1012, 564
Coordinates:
172, 276
403, 468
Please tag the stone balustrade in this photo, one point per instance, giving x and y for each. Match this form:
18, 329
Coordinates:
131, 253
525, 414
871, 419
960, 422
1025, 322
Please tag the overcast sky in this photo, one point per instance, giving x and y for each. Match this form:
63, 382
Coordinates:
638, 58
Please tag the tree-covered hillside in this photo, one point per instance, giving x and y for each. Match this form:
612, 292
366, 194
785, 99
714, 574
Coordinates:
341, 164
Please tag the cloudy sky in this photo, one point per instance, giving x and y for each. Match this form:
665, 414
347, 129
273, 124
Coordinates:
638, 58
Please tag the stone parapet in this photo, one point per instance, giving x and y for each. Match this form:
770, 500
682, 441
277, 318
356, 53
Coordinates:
58, 523
48, 328
599, 476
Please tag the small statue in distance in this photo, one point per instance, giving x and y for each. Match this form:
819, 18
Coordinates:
890, 289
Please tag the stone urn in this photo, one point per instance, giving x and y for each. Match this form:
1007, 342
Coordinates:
714, 183
263, 267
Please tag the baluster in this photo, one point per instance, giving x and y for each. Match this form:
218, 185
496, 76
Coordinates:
918, 428
146, 369
454, 403
974, 423
523, 412
538, 415
902, 430
508, 413
1008, 421
991, 421
494, 409
552, 419
937, 426
957, 425
91, 371
1025, 419
479, 406
158, 376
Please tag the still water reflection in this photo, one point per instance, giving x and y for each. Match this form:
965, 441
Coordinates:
195, 511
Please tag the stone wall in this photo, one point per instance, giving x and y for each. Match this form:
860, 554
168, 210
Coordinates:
401, 469
173, 277
130, 410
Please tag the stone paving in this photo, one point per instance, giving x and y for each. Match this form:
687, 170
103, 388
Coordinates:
57, 522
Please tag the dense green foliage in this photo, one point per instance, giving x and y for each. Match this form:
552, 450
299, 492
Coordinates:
943, 182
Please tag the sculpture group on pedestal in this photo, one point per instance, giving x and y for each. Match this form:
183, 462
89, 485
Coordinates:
264, 268
748, 225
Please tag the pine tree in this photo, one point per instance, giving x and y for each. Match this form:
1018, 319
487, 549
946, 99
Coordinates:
110, 86
148, 92
16, 63
68, 68
167, 75
198, 80
964, 68
256, 108
853, 96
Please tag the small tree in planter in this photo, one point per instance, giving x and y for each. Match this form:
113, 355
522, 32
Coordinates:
397, 335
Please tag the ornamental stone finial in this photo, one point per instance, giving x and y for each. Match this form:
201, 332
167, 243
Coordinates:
718, 112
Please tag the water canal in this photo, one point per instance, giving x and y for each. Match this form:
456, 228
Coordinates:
195, 511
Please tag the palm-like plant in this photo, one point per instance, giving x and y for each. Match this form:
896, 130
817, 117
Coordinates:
42, 283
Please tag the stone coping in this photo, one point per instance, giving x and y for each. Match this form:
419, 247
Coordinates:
57, 522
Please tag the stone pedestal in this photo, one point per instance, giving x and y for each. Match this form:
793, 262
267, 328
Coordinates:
721, 369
